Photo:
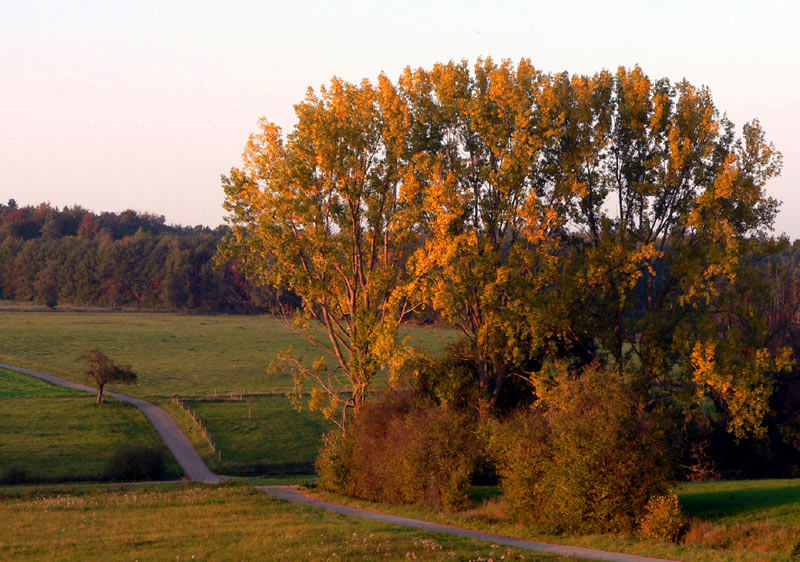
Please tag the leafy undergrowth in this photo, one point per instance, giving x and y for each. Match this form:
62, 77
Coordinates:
199, 522
750, 522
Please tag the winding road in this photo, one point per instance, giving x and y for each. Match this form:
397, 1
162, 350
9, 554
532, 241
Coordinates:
196, 470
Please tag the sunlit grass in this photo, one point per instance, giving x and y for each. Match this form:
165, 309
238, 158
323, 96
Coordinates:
736, 501
173, 353
230, 522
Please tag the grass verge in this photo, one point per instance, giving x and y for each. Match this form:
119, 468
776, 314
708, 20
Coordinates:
198, 522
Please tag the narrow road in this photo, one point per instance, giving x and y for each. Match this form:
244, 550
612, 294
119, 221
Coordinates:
292, 494
197, 470
178, 443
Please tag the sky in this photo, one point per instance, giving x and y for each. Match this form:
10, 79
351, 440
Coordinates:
143, 105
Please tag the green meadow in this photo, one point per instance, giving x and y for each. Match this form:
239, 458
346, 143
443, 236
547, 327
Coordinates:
261, 434
173, 353
49, 433
54, 434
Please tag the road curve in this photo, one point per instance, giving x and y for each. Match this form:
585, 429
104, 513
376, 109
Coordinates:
173, 437
292, 494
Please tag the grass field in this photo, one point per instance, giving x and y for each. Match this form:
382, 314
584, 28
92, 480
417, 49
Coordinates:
228, 523
730, 502
54, 433
263, 434
173, 353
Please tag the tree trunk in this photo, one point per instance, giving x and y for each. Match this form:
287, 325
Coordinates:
100, 393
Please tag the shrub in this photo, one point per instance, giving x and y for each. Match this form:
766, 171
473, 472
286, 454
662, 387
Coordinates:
663, 519
523, 454
400, 450
13, 475
334, 461
135, 462
587, 458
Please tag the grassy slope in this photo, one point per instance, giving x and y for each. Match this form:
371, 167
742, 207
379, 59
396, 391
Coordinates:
185, 354
233, 523
54, 433
730, 502
265, 429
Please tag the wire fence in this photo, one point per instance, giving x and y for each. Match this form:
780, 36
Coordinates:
199, 422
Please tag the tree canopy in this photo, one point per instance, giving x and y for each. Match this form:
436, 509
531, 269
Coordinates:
102, 370
611, 217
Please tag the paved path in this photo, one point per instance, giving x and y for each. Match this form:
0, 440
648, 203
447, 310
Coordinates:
197, 470
292, 494
181, 447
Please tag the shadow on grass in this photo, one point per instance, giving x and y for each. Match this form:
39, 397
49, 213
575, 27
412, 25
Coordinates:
725, 502
267, 469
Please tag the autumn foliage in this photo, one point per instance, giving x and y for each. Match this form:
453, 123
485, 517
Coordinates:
601, 242
402, 450
586, 458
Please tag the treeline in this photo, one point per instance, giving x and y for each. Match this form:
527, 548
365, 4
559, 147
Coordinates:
129, 259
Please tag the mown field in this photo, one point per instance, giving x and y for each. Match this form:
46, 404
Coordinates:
50, 433
173, 353
224, 523
260, 435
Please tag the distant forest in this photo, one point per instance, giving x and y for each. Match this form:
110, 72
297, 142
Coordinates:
128, 259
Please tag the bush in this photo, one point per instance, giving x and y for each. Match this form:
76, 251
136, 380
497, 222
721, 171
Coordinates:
663, 519
400, 450
13, 475
135, 462
587, 458
334, 461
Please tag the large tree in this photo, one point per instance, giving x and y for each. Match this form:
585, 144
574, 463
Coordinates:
532, 211
492, 207
330, 213
668, 202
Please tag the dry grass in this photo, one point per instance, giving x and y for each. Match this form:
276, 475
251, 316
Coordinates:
223, 523
764, 537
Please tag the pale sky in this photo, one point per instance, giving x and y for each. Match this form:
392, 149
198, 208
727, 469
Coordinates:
143, 105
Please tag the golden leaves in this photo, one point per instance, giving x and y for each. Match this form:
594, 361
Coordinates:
487, 193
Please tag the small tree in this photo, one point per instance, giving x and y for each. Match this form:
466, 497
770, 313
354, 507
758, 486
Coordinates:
102, 370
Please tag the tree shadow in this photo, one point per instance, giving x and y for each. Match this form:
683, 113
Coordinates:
722, 503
